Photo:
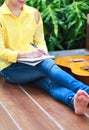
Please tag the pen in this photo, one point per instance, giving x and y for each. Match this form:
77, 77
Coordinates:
34, 45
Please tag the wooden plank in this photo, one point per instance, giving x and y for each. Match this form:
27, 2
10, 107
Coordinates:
6, 122
72, 52
62, 114
24, 111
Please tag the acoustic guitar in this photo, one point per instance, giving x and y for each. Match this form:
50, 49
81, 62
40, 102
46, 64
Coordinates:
78, 64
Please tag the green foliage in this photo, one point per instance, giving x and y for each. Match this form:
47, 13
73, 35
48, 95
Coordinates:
74, 24
1, 2
64, 22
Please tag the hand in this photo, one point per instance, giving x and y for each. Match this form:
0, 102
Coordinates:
37, 53
42, 52
32, 54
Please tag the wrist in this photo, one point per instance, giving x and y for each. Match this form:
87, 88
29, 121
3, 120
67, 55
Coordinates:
22, 55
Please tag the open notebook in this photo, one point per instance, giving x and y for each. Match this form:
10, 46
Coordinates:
35, 61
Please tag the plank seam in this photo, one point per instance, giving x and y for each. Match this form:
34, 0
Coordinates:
8, 113
42, 109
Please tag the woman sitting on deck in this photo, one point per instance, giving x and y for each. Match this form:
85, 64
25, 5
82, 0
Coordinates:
19, 25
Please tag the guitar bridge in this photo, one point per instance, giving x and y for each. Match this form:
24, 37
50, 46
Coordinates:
77, 60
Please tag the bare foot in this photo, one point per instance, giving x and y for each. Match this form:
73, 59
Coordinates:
81, 101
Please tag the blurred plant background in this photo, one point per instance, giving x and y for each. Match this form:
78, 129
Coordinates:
64, 22
1, 2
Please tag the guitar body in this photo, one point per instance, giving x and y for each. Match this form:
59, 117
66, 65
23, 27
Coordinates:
76, 64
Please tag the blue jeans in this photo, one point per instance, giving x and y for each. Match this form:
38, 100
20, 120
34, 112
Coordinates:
58, 83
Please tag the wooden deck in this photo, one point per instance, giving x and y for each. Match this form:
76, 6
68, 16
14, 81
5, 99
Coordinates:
28, 107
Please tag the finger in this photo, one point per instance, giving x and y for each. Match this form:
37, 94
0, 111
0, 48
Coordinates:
42, 51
